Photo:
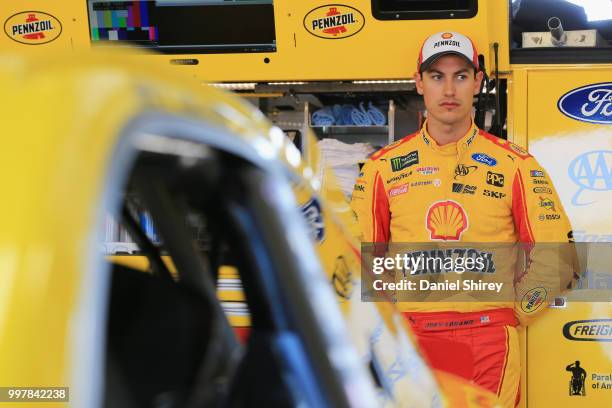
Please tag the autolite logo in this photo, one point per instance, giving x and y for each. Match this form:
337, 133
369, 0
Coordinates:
334, 21
32, 27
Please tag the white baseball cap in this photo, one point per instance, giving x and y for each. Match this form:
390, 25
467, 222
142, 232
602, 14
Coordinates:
443, 43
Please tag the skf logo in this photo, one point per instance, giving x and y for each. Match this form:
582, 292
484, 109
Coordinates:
533, 300
495, 179
494, 194
446, 36
32, 27
446, 220
588, 330
359, 187
334, 21
547, 203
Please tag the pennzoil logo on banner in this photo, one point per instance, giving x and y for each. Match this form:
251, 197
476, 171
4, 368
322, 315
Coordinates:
32, 27
334, 21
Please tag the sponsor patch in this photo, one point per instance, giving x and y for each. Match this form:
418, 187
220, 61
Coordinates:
518, 149
547, 203
463, 188
399, 177
427, 170
334, 21
446, 220
359, 187
495, 179
537, 181
549, 217
494, 194
395, 191
462, 170
542, 190
401, 162
484, 159
533, 299
536, 173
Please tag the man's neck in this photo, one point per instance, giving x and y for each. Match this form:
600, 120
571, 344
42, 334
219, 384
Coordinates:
444, 134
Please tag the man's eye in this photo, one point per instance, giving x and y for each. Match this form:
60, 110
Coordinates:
436, 77
461, 77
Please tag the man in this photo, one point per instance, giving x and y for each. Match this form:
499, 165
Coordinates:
451, 181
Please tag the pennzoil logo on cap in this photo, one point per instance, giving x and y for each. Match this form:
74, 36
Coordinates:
334, 21
32, 27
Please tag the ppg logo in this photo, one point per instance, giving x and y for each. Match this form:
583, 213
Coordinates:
591, 171
591, 103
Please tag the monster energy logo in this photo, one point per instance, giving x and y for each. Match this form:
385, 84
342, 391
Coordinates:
401, 162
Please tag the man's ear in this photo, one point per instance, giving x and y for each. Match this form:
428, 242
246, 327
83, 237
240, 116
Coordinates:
418, 80
478, 81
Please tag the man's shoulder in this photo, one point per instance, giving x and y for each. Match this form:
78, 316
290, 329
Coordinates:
397, 148
500, 146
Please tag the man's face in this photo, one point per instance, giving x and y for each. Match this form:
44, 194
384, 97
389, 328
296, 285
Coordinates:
448, 88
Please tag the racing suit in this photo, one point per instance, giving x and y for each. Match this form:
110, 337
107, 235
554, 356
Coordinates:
479, 189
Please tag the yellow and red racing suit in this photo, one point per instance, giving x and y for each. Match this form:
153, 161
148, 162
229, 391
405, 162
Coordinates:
481, 189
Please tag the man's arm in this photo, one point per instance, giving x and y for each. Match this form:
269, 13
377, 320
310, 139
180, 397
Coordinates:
543, 225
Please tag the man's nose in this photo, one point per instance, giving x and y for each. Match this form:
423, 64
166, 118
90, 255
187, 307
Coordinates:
449, 87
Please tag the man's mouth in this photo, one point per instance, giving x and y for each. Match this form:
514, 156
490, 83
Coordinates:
449, 105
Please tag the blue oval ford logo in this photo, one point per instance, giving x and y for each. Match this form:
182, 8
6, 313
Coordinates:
591, 171
591, 103
484, 159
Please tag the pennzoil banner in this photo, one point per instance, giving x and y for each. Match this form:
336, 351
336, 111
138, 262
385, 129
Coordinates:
334, 21
32, 27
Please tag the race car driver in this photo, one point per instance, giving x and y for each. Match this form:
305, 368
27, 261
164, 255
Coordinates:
451, 181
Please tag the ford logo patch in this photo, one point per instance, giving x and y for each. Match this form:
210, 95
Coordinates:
484, 159
591, 103
591, 171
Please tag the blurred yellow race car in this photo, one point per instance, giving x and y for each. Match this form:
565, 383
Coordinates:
88, 137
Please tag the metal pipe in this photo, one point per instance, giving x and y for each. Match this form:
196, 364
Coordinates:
559, 37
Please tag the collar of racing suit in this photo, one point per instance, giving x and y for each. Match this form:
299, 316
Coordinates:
450, 149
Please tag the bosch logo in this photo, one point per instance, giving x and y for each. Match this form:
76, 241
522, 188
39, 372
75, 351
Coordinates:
591, 103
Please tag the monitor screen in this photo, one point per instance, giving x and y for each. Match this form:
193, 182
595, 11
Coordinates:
184, 26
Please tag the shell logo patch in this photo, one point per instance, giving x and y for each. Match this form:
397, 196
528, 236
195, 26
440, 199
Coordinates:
32, 27
334, 21
446, 220
446, 36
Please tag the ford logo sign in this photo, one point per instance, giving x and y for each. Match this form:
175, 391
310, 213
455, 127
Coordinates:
484, 159
591, 171
591, 103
